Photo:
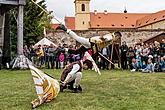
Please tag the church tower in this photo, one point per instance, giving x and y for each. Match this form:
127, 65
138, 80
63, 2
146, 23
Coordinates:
82, 14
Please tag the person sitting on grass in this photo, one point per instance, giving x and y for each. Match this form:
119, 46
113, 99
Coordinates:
135, 65
149, 68
72, 75
162, 64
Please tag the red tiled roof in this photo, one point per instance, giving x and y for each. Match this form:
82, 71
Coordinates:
152, 18
114, 20
70, 22
54, 26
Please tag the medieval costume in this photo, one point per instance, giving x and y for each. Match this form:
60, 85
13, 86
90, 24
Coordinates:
96, 43
72, 75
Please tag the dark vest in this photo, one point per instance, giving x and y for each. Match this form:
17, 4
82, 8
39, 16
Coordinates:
69, 68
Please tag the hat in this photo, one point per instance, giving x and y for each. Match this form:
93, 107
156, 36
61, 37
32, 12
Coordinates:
88, 63
150, 56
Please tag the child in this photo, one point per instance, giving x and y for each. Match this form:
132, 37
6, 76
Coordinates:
144, 65
149, 68
61, 58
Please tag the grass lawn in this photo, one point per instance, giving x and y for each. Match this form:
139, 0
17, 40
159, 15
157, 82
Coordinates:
113, 90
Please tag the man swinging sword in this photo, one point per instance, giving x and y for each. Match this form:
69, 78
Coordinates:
95, 43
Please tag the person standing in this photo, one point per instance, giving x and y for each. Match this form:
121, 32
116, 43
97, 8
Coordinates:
106, 53
40, 54
124, 49
130, 55
51, 51
57, 53
62, 59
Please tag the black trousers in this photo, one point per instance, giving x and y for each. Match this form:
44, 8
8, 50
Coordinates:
123, 62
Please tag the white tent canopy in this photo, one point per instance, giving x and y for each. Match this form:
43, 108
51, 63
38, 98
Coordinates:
44, 41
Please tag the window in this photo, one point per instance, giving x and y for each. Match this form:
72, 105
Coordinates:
83, 7
83, 22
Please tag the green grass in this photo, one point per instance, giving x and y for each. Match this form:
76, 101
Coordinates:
113, 90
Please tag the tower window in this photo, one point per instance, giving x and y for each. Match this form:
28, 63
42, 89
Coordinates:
83, 7
83, 22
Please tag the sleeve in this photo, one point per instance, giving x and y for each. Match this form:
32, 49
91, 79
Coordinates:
80, 50
75, 69
84, 41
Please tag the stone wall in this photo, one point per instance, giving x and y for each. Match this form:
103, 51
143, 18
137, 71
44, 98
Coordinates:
130, 36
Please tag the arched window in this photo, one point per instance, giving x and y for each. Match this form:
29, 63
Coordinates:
83, 7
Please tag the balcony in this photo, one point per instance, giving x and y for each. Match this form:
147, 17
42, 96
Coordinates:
12, 2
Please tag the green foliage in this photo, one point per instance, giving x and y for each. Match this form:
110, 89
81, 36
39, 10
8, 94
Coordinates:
35, 19
113, 90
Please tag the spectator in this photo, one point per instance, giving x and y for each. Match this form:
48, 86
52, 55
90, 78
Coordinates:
40, 55
144, 65
149, 68
57, 53
61, 59
156, 51
106, 53
51, 51
144, 53
135, 65
162, 64
26, 51
162, 47
130, 56
124, 49
32, 53
139, 61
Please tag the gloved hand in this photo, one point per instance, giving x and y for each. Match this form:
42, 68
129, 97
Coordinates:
62, 27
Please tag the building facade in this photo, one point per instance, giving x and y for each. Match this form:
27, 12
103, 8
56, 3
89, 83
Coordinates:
135, 27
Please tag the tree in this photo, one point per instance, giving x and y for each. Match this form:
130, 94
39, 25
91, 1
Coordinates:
35, 19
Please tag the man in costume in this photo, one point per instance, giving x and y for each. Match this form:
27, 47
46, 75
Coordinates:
96, 43
72, 75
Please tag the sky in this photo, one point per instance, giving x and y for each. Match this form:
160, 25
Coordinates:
62, 8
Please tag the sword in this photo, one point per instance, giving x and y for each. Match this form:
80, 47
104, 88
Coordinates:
105, 58
45, 11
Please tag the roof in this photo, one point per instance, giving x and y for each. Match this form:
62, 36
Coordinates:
44, 41
152, 18
115, 20
105, 20
155, 37
70, 22
54, 26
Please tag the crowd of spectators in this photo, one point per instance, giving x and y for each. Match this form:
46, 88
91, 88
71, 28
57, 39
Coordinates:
50, 56
144, 57
141, 57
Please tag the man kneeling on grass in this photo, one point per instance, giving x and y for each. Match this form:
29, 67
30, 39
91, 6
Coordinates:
72, 75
